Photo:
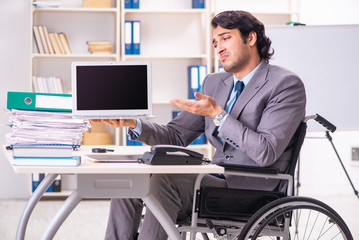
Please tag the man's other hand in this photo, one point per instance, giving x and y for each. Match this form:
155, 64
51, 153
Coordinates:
203, 105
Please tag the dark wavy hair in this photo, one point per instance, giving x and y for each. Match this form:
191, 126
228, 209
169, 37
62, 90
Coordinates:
245, 23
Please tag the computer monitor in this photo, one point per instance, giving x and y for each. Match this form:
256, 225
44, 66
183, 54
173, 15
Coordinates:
111, 90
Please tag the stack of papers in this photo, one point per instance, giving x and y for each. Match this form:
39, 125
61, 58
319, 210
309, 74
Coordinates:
45, 127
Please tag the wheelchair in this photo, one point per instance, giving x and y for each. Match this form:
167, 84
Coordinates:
252, 214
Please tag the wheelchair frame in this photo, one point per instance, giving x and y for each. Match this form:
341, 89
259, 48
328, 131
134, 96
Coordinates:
262, 220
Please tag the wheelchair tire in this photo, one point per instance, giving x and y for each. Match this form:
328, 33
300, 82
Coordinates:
296, 218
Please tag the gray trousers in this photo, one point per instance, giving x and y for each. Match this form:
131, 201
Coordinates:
173, 191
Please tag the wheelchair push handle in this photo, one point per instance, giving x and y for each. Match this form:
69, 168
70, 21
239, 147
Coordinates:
331, 127
324, 122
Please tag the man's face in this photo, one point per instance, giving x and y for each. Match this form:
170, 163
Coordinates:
231, 51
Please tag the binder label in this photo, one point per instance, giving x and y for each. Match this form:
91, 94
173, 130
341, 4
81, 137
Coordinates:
43, 101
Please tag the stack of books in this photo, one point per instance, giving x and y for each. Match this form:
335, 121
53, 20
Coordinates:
50, 43
99, 47
47, 84
41, 135
44, 155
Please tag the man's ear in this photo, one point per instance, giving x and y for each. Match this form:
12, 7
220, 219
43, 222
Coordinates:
252, 39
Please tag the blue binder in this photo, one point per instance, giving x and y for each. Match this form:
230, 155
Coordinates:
130, 142
128, 37
193, 81
35, 181
202, 73
198, 3
135, 3
200, 140
128, 3
136, 36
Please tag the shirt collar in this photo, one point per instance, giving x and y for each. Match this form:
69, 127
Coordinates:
248, 77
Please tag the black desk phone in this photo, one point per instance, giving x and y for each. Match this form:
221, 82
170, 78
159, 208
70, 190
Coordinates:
172, 155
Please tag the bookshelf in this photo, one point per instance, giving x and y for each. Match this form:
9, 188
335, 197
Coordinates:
79, 25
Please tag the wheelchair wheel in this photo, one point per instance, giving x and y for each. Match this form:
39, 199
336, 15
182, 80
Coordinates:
296, 218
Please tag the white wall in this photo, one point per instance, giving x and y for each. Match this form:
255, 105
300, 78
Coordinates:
14, 65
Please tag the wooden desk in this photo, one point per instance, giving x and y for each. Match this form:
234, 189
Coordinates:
105, 180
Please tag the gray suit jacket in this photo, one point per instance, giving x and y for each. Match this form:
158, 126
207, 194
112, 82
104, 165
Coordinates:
257, 131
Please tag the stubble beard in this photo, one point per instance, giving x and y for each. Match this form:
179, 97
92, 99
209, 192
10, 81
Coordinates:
237, 64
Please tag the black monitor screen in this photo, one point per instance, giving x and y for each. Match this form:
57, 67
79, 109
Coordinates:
117, 87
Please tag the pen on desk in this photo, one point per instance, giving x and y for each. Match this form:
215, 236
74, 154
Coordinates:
102, 150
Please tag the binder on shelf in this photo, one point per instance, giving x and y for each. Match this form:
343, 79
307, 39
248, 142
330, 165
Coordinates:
50, 188
196, 75
128, 37
200, 140
35, 181
198, 3
193, 81
130, 142
128, 3
136, 35
56, 185
135, 4
39, 101
202, 71
132, 4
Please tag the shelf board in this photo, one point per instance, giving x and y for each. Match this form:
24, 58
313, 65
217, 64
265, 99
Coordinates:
37, 55
173, 56
76, 10
166, 11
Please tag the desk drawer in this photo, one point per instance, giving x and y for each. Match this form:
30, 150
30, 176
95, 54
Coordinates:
113, 185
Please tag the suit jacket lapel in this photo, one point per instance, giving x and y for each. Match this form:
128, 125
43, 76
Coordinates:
221, 95
254, 85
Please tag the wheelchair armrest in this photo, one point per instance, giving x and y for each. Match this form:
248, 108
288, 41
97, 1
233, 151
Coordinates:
251, 169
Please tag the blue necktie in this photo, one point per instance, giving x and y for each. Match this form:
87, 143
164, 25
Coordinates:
238, 87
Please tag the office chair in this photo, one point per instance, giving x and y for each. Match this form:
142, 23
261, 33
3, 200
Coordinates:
253, 214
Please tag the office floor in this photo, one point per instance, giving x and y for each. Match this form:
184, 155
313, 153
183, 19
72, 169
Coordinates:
88, 220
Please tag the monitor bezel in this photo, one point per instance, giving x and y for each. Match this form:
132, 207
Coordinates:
110, 114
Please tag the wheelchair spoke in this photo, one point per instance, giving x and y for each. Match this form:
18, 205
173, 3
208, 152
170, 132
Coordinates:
299, 221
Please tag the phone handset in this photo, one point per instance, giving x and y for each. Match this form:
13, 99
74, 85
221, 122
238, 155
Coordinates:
164, 149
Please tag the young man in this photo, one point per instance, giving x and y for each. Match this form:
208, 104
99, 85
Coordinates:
252, 129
